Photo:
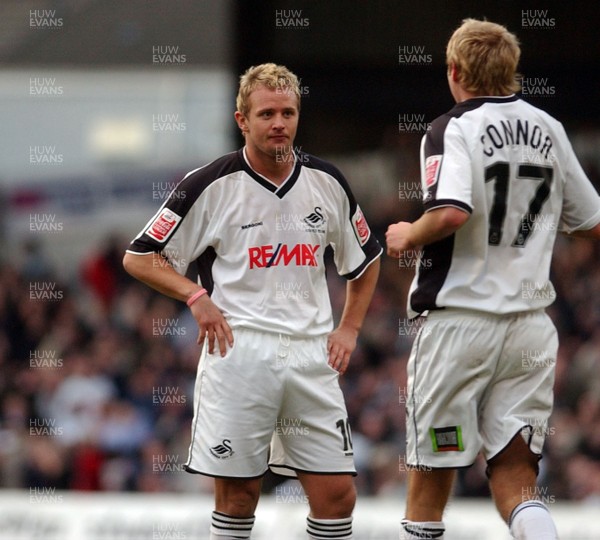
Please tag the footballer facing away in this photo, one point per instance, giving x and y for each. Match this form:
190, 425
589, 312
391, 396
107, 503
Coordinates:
500, 179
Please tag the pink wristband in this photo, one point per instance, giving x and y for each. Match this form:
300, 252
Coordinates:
195, 296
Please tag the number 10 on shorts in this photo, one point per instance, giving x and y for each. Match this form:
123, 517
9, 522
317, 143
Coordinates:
344, 425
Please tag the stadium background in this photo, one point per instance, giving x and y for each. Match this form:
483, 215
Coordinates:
105, 105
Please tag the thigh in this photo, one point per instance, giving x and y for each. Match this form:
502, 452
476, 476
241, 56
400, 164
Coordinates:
312, 432
236, 402
452, 361
521, 395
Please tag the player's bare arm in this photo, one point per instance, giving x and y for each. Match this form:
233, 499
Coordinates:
154, 271
342, 341
594, 232
430, 227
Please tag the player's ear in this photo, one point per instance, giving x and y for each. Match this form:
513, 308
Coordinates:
453, 72
241, 121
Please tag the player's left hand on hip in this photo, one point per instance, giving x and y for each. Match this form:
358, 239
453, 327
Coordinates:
340, 345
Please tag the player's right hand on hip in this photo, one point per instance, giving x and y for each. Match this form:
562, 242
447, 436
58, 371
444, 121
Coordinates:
212, 325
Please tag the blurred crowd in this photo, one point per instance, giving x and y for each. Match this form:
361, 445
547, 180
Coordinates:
97, 374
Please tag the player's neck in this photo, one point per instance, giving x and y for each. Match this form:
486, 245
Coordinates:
272, 167
460, 94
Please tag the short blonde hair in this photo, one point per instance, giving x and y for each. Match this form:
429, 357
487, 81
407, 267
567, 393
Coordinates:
270, 75
486, 56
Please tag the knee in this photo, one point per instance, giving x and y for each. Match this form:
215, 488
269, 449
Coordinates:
237, 500
347, 500
334, 503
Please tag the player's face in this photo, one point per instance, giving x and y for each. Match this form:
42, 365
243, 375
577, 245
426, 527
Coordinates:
271, 123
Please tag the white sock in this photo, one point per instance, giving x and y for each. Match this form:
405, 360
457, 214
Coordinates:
224, 527
329, 529
531, 520
419, 530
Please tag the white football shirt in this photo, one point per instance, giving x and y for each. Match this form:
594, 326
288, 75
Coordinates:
511, 166
258, 248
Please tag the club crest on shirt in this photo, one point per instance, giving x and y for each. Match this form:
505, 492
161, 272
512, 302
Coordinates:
432, 170
313, 222
361, 228
315, 219
163, 225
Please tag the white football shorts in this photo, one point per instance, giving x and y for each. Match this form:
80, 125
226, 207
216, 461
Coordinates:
272, 401
476, 380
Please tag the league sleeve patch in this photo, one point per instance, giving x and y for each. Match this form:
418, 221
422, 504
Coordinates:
163, 226
432, 170
361, 228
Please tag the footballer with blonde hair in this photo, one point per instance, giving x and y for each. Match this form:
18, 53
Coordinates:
500, 180
253, 227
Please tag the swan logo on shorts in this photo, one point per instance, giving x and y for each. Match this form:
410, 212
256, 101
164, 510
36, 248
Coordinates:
223, 450
446, 439
163, 226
